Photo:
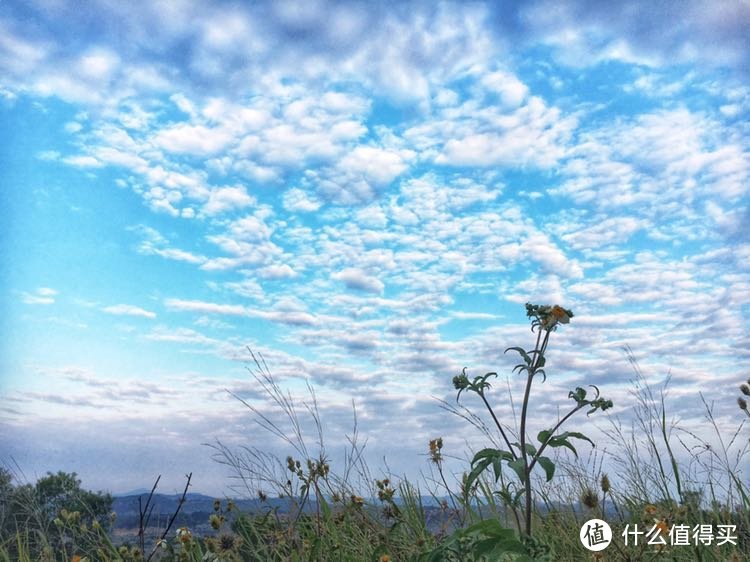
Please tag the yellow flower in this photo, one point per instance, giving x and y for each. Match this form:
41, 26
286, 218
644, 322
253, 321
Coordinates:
560, 314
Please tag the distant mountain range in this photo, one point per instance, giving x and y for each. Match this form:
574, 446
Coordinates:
197, 508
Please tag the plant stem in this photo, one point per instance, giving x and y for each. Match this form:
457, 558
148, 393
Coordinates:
538, 355
527, 471
497, 423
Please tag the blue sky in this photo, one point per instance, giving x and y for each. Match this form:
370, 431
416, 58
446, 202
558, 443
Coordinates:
366, 194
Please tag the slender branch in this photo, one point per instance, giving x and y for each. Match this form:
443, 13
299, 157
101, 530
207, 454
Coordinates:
174, 516
142, 512
551, 434
497, 423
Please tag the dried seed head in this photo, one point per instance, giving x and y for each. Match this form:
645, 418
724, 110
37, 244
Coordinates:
589, 498
435, 446
745, 389
742, 403
605, 483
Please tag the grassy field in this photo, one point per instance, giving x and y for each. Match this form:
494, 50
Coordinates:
510, 503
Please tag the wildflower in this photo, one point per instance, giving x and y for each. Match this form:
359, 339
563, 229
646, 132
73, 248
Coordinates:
384, 558
357, 500
461, 382
227, 542
650, 509
435, 446
561, 315
184, 535
216, 521
293, 466
605, 483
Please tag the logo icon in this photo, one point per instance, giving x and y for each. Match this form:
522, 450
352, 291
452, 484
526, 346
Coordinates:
596, 535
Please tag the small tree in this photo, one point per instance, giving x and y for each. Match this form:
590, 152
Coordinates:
55, 492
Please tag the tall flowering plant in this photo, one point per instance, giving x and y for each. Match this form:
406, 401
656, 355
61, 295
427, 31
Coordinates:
521, 454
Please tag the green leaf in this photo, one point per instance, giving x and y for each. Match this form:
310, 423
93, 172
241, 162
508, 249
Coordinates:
530, 449
548, 466
519, 467
495, 548
579, 395
543, 436
484, 459
475, 472
497, 468
521, 352
490, 453
562, 440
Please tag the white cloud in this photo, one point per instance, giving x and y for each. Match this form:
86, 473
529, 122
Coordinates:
533, 134
129, 310
83, 161
612, 230
205, 307
43, 295
281, 271
357, 279
98, 66
225, 199
296, 200
377, 165
193, 139
511, 90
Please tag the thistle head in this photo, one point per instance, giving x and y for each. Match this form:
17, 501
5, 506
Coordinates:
589, 498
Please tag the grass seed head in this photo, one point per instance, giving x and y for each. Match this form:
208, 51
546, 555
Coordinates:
605, 483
